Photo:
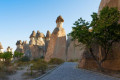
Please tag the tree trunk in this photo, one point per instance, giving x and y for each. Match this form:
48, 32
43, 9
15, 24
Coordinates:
96, 60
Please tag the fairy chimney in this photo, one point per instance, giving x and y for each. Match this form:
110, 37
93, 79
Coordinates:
19, 46
48, 35
1, 48
40, 40
9, 49
57, 44
33, 38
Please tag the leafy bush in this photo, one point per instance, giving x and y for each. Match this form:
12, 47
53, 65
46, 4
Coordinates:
56, 61
18, 54
40, 65
25, 59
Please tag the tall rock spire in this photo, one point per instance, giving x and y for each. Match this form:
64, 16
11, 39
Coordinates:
1, 47
57, 44
33, 38
33, 34
48, 34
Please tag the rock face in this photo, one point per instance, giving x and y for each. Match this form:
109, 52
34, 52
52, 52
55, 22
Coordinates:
48, 35
19, 46
113, 61
9, 49
57, 44
109, 3
33, 38
1, 47
35, 48
75, 52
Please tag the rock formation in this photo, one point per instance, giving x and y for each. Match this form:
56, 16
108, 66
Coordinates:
109, 3
74, 52
19, 46
48, 35
57, 44
9, 49
35, 48
40, 41
1, 47
33, 38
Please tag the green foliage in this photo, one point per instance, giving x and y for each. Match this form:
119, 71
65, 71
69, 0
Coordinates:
56, 61
81, 32
25, 59
6, 55
18, 54
40, 65
106, 27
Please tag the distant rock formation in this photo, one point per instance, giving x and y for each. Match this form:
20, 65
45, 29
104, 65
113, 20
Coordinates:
1, 47
36, 47
19, 46
9, 49
48, 35
57, 44
33, 38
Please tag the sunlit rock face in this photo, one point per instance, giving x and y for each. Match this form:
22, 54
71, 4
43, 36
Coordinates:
113, 60
9, 49
109, 3
33, 38
1, 48
57, 44
40, 40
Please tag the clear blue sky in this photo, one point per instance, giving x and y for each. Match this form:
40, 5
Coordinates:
18, 18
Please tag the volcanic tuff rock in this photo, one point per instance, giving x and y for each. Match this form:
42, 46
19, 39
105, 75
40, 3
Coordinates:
75, 52
1, 47
57, 43
109, 3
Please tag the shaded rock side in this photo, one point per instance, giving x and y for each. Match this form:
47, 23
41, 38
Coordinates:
113, 60
57, 45
87, 60
75, 52
36, 51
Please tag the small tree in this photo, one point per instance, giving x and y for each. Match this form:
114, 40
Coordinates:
18, 54
105, 31
7, 57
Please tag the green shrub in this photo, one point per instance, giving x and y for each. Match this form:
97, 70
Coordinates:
40, 65
25, 59
56, 61
18, 54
